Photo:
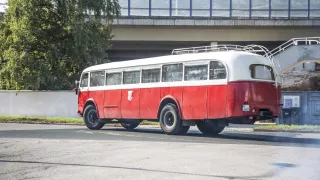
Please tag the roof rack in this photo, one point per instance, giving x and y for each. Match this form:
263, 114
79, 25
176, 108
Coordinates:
257, 49
219, 48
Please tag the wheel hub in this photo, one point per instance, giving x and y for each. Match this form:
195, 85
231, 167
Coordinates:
168, 119
92, 117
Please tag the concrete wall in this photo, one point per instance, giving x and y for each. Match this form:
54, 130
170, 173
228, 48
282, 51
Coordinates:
295, 54
43, 104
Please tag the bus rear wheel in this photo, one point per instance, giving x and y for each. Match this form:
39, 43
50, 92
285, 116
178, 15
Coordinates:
91, 119
130, 124
210, 128
170, 121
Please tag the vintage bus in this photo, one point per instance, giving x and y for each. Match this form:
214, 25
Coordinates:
208, 87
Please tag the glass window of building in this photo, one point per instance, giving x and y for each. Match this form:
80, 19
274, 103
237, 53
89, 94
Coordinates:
260, 8
160, 8
124, 7
139, 7
201, 8
279, 8
240, 8
180, 8
299, 8
220, 8
314, 8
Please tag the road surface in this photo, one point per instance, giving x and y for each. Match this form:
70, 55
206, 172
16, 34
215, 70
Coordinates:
74, 152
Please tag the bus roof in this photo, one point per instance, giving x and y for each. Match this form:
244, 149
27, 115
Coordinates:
228, 57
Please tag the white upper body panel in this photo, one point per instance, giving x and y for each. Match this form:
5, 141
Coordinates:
237, 63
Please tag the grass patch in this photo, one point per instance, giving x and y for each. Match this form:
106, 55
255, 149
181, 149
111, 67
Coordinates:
152, 123
55, 120
287, 128
49, 120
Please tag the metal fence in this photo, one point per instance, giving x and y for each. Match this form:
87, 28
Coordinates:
247, 9
300, 108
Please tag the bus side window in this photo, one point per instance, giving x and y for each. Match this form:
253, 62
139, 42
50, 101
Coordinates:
113, 79
151, 75
96, 78
172, 72
131, 77
217, 70
84, 80
196, 73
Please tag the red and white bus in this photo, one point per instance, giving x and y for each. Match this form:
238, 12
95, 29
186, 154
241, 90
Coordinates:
209, 87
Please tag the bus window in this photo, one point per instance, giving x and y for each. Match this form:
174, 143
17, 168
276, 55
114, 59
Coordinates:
217, 70
131, 77
97, 79
151, 75
261, 72
195, 73
84, 80
172, 72
113, 79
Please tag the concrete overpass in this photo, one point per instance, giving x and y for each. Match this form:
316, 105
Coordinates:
152, 27
138, 37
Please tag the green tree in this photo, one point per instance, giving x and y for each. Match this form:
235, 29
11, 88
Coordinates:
45, 44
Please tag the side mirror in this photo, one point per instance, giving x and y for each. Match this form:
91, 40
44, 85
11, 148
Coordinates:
77, 87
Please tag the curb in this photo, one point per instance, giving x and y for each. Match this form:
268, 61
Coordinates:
73, 124
156, 126
35, 122
111, 125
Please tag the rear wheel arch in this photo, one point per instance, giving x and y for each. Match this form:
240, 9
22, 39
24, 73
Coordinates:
169, 100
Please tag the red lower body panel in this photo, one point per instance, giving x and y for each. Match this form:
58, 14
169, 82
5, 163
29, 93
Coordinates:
258, 95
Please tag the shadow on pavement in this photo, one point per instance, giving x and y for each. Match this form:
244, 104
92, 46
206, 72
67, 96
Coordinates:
156, 135
276, 169
238, 136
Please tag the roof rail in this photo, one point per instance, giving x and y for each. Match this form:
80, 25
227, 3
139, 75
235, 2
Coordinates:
295, 42
219, 48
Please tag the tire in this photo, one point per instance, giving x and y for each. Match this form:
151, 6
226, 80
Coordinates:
184, 130
170, 121
209, 128
130, 124
91, 118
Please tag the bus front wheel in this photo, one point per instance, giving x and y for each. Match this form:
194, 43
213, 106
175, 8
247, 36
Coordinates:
91, 118
210, 128
170, 120
130, 124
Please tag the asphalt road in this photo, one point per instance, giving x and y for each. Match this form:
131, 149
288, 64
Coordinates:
73, 152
